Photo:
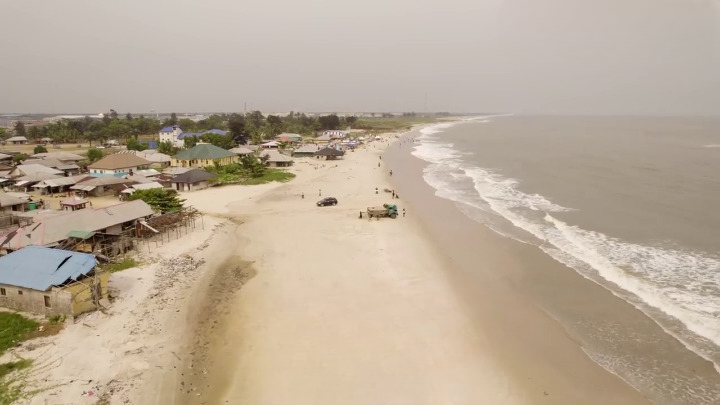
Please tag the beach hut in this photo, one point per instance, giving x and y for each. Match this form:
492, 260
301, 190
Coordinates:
73, 203
192, 180
289, 138
240, 151
330, 153
306, 151
274, 158
270, 145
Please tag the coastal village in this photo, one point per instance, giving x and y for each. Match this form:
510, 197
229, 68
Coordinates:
70, 223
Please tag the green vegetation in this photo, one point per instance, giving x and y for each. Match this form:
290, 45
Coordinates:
57, 319
94, 155
241, 128
270, 175
20, 129
159, 199
39, 149
126, 263
14, 328
250, 167
8, 368
383, 124
19, 157
168, 148
134, 144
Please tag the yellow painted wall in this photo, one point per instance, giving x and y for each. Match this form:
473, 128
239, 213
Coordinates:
200, 163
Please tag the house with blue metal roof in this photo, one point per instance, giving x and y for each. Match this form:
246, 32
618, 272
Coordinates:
175, 135
51, 281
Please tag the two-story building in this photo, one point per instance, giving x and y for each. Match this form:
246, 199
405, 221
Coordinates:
170, 134
117, 165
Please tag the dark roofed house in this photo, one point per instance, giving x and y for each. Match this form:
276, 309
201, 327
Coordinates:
330, 153
118, 165
51, 281
203, 155
192, 180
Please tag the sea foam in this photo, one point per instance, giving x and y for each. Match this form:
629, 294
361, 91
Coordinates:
669, 285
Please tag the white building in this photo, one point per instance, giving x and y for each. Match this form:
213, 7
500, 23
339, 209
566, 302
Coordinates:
170, 134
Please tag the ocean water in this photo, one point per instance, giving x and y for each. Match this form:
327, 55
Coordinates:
631, 203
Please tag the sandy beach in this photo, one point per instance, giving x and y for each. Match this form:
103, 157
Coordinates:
278, 301
343, 310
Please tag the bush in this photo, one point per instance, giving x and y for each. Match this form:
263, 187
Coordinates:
39, 149
14, 328
126, 263
159, 199
94, 154
19, 157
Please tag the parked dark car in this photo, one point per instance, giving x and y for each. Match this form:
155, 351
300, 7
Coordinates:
327, 201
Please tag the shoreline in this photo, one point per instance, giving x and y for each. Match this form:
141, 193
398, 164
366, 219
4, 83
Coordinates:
557, 293
487, 274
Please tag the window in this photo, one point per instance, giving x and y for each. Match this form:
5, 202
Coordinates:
20, 292
2, 291
47, 301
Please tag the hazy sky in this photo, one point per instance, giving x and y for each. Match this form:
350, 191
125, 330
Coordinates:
546, 56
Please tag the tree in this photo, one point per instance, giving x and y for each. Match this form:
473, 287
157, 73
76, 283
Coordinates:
34, 133
255, 118
167, 148
20, 129
133, 144
113, 114
2, 132
94, 154
253, 165
221, 141
212, 122
173, 119
19, 157
159, 199
129, 117
189, 142
351, 120
236, 124
39, 149
331, 121
187, 125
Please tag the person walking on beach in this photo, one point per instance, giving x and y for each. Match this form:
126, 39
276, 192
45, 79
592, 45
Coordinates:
376, 190
302, 195
390, 172
320, 192
393, 194
403, 212
378, 164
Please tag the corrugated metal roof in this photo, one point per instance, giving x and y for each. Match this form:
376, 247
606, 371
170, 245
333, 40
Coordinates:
204, 151
40, 268
80, 234
119, 161
193, 176
50, 230
170, 128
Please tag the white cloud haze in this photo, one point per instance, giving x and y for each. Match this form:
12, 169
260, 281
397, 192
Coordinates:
534, 56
